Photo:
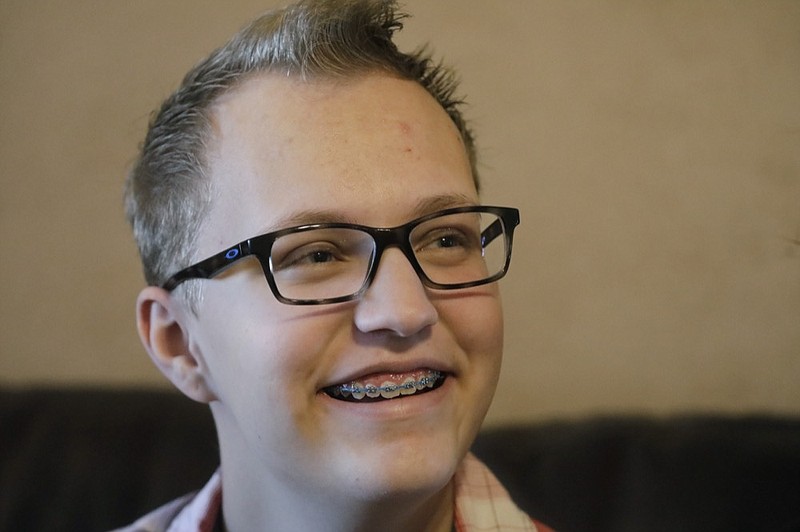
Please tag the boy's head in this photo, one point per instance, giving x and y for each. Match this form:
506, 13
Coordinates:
350, 331
168, 192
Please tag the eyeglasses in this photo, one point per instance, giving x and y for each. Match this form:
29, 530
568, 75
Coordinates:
334, 262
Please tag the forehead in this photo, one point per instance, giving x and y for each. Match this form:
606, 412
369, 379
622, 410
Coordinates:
282, 145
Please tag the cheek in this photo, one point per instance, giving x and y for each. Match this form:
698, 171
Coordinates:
262, 361
265, 355
478, 325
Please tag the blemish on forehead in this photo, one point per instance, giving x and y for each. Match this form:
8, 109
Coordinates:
405, 131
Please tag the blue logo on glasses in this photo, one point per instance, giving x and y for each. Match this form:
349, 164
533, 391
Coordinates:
232, 254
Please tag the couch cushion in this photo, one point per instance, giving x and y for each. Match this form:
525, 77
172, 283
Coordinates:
91, 459
687, 473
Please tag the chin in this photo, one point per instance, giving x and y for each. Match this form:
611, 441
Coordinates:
411, 467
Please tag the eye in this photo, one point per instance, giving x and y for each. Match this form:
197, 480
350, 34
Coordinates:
318, 256
310, 255
446, 248
450, 241
445, 239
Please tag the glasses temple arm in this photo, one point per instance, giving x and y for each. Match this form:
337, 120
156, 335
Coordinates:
208, 268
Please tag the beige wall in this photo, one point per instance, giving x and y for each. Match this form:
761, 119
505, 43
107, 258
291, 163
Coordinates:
653, 147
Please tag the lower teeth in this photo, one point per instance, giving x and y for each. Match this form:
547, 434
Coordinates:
388, 390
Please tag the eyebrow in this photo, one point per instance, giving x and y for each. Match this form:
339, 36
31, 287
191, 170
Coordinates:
308, 217
317, 216
440, 202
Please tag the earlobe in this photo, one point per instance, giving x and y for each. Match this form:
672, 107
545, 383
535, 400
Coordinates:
163, 332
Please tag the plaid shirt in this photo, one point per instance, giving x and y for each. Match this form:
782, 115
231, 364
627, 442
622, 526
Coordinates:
481, 504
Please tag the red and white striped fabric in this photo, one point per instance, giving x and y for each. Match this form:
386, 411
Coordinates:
483, 504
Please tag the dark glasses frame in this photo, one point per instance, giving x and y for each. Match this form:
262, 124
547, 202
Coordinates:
384, 237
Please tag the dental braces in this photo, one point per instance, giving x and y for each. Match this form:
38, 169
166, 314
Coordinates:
424, 382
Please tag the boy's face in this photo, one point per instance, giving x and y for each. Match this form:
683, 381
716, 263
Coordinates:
377, 151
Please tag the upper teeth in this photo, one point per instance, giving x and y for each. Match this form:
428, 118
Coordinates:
388, 389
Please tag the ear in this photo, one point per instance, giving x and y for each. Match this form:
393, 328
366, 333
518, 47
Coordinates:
162, 320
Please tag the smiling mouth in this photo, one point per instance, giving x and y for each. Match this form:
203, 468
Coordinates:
417, 383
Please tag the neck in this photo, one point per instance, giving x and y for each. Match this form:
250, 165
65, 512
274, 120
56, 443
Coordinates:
287, 509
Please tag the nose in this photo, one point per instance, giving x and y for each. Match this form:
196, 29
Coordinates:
396, 301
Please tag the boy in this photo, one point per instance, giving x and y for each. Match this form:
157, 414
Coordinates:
322, 274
